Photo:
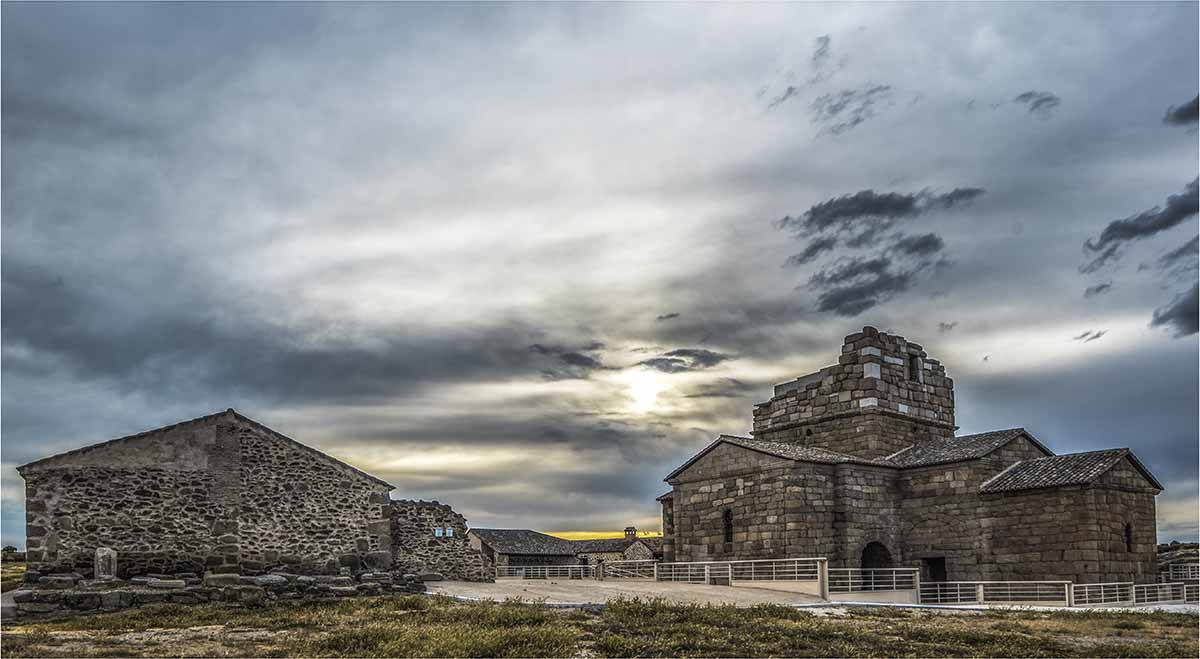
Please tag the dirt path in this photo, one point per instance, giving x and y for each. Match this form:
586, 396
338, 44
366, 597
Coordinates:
597, 592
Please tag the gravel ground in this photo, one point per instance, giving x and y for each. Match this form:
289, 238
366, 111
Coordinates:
597, 592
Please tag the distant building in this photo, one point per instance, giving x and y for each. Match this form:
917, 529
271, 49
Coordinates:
858, 463
523, 547
226, 493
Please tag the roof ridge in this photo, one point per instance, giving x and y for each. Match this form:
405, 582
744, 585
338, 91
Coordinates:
128, 437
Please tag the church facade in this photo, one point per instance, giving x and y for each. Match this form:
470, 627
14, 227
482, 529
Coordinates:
859, 463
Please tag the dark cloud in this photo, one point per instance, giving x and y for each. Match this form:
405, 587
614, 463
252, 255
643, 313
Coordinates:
853, 285
1179, 207
1089, 336
813, 251
1184, 114
1041, 104
1097, 289
848, 212
1181, 315
821, 52
947, 327
923, 245
569, 363
668, 316
782, 98
838, 113
723, 388
1185, 256
682, 360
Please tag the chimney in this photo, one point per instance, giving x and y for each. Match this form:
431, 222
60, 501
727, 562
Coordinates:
630, 533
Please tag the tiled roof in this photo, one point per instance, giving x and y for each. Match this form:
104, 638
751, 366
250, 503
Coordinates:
525, 541
799, 452
966, 447
601, 545
1060, 470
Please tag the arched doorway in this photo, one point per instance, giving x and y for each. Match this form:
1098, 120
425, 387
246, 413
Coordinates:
875, 555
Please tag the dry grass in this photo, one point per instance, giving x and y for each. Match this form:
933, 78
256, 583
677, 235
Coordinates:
438, 627
11, 573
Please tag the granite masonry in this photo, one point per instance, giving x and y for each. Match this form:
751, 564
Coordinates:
859, 463
225, 494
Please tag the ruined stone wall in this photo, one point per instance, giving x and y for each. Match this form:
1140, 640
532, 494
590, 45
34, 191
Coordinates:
417, 547
638, 552
882, 395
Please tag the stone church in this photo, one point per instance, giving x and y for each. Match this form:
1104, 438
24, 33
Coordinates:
224, 493
859, 463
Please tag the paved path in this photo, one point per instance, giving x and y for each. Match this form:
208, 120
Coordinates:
566, 591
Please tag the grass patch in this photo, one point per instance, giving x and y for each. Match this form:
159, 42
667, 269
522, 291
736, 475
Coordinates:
11, 574
419, 626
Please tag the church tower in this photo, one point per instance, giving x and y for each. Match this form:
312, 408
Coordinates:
883, 395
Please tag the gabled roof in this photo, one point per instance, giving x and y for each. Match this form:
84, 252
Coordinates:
602, 545
965, 447
203, 420
525, 541
784, 450
1061, 470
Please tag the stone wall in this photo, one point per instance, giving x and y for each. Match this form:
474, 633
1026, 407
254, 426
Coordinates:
218, 493
866, 501
417, 547
779, 508
883, 395
299, 509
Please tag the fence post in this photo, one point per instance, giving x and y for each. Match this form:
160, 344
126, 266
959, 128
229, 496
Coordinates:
656, 571
979, 593
823, 578
1070, 594
917, 586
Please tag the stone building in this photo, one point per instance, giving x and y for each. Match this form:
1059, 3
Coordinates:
859, 463
523, 547
225, 493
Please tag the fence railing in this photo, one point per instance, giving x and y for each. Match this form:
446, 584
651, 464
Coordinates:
1191, 593
996, 592
788, 569
1102, 593
858, 580
630, 569
545, 571
1159, 593
1175, 572
769, 569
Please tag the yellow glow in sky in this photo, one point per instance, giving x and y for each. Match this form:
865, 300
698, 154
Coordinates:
598, 535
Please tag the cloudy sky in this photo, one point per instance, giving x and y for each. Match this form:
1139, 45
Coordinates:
525, 259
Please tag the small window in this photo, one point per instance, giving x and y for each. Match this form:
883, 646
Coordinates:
438, 531
728, 519
914, 369
449, 532
1129, 537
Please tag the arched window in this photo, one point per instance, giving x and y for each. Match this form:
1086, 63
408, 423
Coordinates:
728, 519
1128, 537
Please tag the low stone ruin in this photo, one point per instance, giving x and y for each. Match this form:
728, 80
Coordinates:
70, 592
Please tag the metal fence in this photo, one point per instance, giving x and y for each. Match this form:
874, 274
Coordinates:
730, 572
1191, 593
1159, 593
788, 569
858, 580
630, 569
1102, 593
545, 571
1176, 572
996, 592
